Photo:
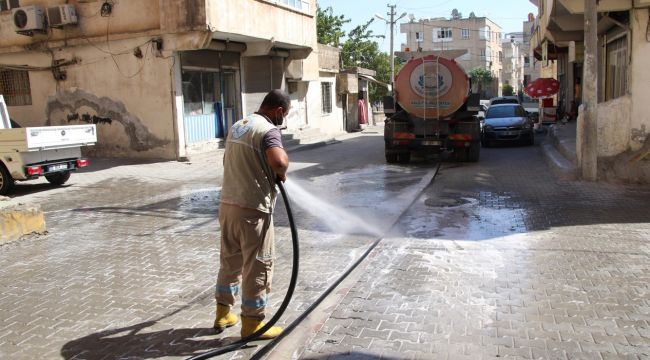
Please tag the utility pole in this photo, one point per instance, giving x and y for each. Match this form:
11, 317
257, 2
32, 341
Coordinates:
588, 129
391, 22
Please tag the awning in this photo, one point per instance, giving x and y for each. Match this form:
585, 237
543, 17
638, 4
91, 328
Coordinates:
372, 79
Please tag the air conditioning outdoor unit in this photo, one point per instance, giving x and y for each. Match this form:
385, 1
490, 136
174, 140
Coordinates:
61, 15
28, 19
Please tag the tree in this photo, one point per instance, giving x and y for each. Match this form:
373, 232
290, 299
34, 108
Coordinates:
480, 76
359, 48
472, 15
507, 90
455, 14
329, 27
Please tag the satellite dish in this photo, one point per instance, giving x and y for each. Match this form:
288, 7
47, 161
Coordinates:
412, 17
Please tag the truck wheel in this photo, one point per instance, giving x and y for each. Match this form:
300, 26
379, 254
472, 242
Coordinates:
6, 181
58, 179
474, 152
404, 158
391, 158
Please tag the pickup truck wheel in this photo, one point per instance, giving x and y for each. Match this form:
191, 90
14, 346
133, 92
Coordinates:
58, 179
6, 181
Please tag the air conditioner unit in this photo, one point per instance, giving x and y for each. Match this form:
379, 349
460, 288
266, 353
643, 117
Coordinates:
28, 19
61, 15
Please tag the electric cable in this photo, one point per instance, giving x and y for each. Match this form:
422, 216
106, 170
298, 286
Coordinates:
287, 298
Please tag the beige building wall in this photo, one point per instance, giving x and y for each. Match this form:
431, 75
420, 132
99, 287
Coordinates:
124, 70
484, 46
512, 70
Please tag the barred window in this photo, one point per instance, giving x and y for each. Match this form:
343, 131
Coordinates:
326, 94
6, 5
14, 86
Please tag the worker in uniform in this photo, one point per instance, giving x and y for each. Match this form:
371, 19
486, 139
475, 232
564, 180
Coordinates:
253, 161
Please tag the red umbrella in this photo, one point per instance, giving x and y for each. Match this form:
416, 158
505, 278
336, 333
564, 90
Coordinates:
542, 87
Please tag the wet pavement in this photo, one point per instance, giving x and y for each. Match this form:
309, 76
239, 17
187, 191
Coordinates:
493, 259
500, 259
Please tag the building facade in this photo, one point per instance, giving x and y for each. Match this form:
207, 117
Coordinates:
160, 78
479, 36
622, 84
512, 72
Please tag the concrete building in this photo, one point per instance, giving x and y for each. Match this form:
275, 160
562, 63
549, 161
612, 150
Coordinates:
160, 78
532, 67
480, 36
512, 72
623, 59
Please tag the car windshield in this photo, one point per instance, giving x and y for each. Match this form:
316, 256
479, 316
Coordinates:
505, 111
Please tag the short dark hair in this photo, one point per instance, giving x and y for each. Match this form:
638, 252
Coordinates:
275, 99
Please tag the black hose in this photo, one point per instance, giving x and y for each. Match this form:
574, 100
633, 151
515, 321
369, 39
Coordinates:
287, 298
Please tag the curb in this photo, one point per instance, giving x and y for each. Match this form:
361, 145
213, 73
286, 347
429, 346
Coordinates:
558, 163
18, 220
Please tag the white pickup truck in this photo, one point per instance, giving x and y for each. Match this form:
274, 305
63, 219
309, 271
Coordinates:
31, 152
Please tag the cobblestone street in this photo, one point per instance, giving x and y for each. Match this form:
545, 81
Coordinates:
493, 259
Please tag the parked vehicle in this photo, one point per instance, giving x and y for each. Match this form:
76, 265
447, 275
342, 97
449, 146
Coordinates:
436, 113
49, 151
507, 123
504, 100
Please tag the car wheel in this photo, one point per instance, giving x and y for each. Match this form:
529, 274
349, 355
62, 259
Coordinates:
6, 181
58, 179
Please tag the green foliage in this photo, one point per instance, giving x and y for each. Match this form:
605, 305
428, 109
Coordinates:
507, 90
359, 49
480, 76
329, 27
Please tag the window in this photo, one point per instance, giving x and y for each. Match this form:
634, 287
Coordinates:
6, 5
483, 54
615, 68
298, 4
201, 91
419, 36
442, 33
464, 33
14, 86
326, 97
484, 33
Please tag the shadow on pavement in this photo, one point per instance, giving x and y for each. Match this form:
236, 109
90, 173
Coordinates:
133, 342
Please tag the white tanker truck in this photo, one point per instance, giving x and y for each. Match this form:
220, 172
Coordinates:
435, 111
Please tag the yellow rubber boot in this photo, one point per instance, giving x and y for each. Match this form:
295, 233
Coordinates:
251, 325
225, 318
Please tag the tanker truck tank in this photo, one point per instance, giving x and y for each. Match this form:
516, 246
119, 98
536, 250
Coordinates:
436, 112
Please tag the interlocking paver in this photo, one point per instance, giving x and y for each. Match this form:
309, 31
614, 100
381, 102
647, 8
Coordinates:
535, 266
